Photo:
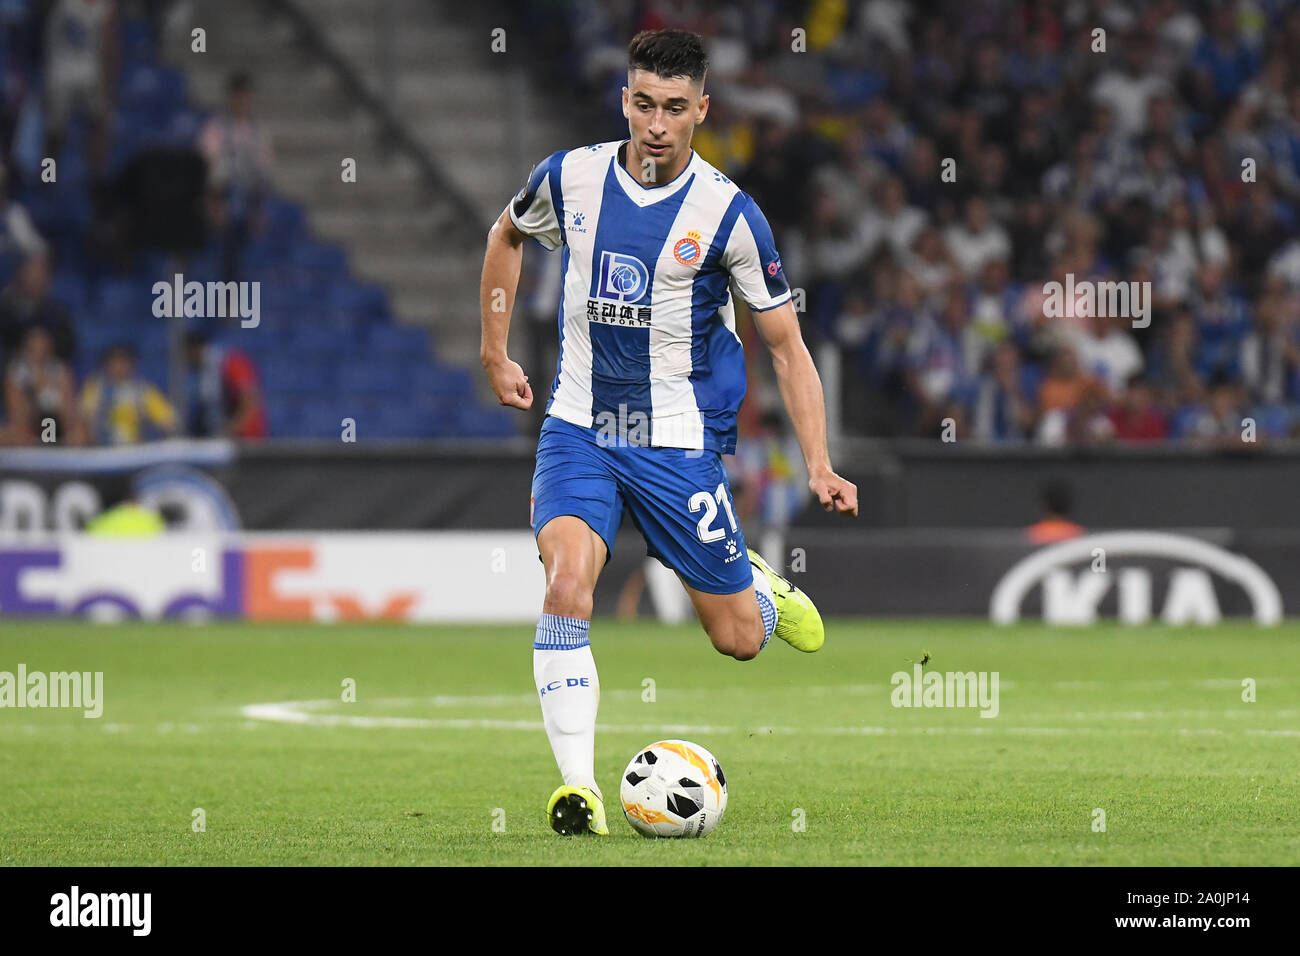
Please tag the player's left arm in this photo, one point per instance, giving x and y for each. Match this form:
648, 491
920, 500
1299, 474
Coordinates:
801, 390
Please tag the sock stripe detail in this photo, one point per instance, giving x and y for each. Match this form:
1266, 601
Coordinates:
557, 633
767, 608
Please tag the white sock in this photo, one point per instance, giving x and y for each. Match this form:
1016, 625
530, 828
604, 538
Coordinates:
766, 604
565, 674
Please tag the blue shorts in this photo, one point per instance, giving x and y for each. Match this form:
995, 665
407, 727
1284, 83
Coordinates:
679, 500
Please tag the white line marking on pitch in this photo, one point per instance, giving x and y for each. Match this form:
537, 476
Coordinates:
302, 712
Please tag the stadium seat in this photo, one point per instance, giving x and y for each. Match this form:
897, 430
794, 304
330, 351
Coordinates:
396, 343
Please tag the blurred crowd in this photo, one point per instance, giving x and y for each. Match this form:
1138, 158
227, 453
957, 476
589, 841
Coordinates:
928, 168
61, 65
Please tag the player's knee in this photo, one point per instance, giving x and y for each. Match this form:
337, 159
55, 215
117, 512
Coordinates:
568, 595
737, 639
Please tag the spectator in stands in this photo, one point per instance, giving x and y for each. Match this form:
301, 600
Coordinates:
941, 373
1089, 424
1107, 350
895, 222
18, 236
1062, 394
1222, 320
1172, 361
1129, 91
884, 356
1003, 410
20, 55
1223, 61
1135, 417
40, 396
119, 407
993, 307
81, 67
977, 240
1220, 421
1263, 224
238, 150
1173, 265
27, 302
923, 186
1270, 353
1029, 227
931, 265
1116, 167
223, 393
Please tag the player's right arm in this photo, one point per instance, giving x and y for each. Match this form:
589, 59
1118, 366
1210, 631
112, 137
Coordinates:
501, 265
532, 213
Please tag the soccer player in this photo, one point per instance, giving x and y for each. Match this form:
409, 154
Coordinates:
649, 379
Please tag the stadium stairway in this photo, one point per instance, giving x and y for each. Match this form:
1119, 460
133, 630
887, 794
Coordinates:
327, 345
442, 80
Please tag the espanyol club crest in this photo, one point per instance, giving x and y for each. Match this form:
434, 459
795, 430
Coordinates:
687, 251
623, 278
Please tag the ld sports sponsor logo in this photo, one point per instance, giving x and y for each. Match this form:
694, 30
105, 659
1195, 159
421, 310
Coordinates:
1186, 578
623, 278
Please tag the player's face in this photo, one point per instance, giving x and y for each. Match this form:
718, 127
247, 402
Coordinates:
662, 113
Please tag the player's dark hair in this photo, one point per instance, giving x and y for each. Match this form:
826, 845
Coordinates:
668, 53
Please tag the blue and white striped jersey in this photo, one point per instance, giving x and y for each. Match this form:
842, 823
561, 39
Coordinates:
647, 326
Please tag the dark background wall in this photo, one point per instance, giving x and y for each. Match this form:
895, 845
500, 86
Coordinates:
414, 486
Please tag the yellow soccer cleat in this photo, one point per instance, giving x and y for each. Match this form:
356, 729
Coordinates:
574, 811
797, 620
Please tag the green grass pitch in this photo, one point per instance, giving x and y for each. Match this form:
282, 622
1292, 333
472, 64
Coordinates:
442, 760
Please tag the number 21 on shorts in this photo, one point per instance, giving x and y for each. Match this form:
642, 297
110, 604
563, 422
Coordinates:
703, 499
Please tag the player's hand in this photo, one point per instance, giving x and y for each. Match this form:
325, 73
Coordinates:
835, 493
510, 384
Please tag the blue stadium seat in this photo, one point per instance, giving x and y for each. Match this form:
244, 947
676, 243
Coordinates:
283, 219
441, 380
144, 83
130, 299
396, 343
318, 257
70, 289
280, 374
361, 301
137, 40
369, 378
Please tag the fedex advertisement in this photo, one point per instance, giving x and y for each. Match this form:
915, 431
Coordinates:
473, 576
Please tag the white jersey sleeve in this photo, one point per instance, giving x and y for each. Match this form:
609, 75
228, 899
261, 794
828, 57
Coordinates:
752, 260
533, 211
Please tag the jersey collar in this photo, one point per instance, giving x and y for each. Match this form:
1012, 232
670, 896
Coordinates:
648, 195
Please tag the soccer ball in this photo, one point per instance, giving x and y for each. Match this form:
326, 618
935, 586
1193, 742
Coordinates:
673, 788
